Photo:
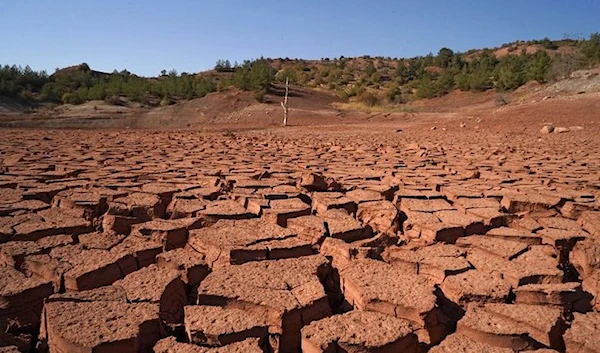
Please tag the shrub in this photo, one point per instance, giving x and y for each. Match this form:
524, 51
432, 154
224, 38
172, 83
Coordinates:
113, 100
548, 44
166, 101
512, 73
462, 82
368, 98
480, 81
501, 100
223, 66
425, 88
72, 98
343, 95
370, 69
254, 75
445, 83
539, 67
591, 49
260, 96
287, 73
394, 95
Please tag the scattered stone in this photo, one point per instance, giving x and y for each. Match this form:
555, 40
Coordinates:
547, 129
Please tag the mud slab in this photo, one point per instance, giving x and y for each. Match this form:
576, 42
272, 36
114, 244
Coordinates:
283, 229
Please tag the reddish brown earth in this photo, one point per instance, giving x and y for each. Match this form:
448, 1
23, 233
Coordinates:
371, 234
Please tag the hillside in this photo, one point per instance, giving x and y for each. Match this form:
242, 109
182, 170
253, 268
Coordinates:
341, 87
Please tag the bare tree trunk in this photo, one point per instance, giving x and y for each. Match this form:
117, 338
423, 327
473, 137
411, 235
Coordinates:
284, 104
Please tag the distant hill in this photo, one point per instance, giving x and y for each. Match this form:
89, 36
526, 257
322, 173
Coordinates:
365, 80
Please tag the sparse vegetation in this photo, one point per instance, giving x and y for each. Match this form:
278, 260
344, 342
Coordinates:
254, 75
18, 82
368, 98
590, 49
224, 66
368, 80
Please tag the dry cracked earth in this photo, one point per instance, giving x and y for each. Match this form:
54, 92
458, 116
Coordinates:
298, 241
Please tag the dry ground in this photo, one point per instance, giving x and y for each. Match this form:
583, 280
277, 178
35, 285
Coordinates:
447, 230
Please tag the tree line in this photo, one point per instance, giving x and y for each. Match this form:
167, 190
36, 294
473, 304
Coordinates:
378, 80
391, 81
79, 84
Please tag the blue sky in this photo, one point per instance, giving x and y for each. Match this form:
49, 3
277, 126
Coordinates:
146, 36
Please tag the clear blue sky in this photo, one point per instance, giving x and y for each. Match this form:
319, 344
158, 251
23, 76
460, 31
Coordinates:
146, 36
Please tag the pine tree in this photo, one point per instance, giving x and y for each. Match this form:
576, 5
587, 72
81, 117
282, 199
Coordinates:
539, 66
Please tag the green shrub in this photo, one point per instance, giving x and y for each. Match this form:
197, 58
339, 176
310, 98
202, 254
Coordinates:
254, 75
548, 44
445, 82
539, 67
394, 95
368, 98
463, 82
343, 95
512, 72
166, 101
72, 98
260, 96
425, 88
591, 49
223, 66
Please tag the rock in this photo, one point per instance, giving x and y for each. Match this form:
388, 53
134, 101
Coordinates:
547, 129
560, 130
529, 202
311, 228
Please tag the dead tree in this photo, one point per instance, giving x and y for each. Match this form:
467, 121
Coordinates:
284, 104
